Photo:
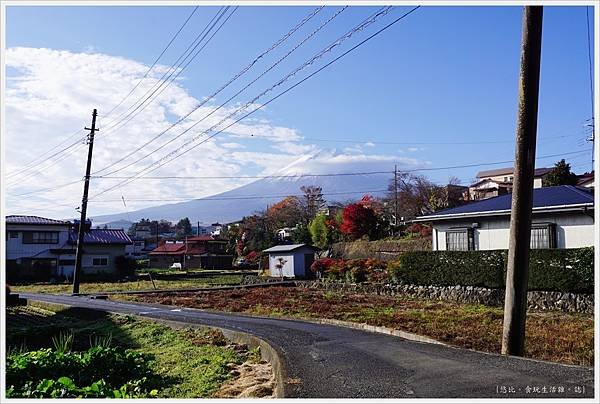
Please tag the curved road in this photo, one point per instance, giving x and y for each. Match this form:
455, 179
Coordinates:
330, 361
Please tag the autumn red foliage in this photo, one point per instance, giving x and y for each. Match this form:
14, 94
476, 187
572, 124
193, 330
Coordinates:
358, 221
252, 257
416, 228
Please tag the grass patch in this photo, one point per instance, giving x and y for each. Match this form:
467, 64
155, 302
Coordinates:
195, 360
560, 337
142, 284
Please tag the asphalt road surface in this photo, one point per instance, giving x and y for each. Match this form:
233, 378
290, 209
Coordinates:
330, 361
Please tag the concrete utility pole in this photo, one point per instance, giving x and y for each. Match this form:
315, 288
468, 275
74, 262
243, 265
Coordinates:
84, 202
515, 305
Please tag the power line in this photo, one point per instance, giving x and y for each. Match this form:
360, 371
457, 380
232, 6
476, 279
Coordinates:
164, 84
169, 72
591, 65
50, 188
276, 176
331, 140
165, 159
224, 86
591, 70
34, 163
403, 171
40, 170
154, 63
194, 177
236, 197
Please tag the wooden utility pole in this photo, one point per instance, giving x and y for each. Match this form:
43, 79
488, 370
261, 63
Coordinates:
84, 202
156, 233
395, 197
517, 275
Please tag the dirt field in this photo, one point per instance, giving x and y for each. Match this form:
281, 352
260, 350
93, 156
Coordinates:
559, 337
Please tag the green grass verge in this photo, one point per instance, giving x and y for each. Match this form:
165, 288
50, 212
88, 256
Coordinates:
142, 284
193, 359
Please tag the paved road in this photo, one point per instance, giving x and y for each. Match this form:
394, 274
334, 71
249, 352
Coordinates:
330, 361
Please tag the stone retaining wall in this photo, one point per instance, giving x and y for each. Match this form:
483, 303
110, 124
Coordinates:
536, 300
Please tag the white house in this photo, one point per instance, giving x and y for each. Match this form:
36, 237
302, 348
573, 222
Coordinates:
562, 217
499, 181
38, 244
40, 248
293, 260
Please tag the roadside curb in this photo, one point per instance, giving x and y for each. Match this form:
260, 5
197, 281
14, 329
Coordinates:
267, 351
376, 329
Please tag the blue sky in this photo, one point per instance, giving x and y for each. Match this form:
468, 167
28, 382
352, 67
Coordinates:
442, 75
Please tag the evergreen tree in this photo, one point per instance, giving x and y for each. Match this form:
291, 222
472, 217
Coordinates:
560, 175
184, 227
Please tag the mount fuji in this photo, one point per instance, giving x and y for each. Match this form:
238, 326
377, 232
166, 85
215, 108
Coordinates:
245, 200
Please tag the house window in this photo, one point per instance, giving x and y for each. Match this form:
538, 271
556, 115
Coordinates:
543, 236
460, 240
40, 237
100, 261
13, 234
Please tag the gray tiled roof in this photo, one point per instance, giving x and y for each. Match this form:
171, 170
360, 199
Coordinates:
286, 248
18, 219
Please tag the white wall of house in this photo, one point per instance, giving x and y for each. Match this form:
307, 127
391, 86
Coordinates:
95, 256
573, 230
537, 181
15, 248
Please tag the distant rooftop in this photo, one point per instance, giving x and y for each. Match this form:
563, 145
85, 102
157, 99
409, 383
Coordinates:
21, 219
509, 171
103, 236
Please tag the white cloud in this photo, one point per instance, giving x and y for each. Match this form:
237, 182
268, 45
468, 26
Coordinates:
233, 145
52, 93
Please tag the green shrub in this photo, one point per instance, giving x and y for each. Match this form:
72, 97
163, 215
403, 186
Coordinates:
564, 270
97, 372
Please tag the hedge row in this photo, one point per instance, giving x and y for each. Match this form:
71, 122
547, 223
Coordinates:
564, 270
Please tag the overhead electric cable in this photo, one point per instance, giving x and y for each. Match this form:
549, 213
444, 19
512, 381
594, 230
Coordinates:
339, 41
163, 83
153, 63
214, 94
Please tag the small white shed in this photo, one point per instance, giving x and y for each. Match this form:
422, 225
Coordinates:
292, 260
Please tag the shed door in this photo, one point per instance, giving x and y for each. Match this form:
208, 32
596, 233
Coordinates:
308, 260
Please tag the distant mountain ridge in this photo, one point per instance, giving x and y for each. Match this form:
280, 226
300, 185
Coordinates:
233, 205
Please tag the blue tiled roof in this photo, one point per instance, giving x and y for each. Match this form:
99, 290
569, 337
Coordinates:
103, 236
546, 197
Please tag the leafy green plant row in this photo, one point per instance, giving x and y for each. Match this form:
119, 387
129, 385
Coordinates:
98, 372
